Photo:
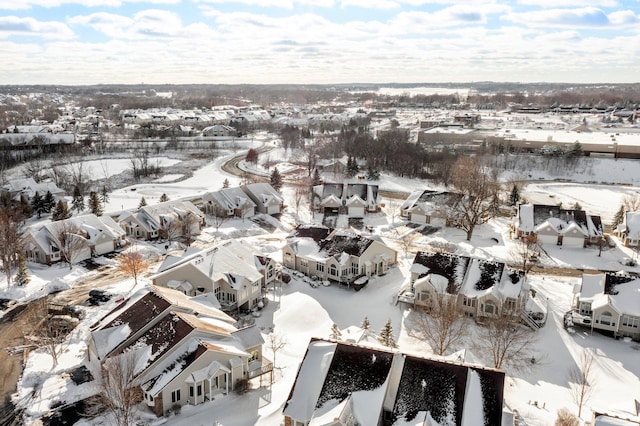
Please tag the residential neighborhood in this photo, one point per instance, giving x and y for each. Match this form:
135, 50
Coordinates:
286, 264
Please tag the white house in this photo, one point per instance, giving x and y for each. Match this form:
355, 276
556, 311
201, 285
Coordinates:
265, 197
336, 255
231, 270
233, 202
186, 350
343, 384
174, 219
84, 236
629, 229
609, 303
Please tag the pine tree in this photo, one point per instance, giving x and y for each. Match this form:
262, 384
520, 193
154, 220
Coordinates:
366, 325
49, 202
372, 173
22, 277
352, 167
317, 180
515, 195
619, 217
276, 179
143, 203
386, 335
225, 184
94, 204
78, 200
37, 204
104, 195
335, 332
60, 211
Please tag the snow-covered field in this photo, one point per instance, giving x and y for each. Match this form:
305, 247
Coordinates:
299, 311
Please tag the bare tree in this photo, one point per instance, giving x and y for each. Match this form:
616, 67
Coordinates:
71, 241
407, 242
119, 395
392, 208
477, 191
11, 241
300, 195
443, 246
35, 169
189, 227
275, 342
132, 263
219, 216
443, 326
581, 381
509, 343
631, 202
524, 254
47, 330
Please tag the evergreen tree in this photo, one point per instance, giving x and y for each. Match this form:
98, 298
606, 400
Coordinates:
94, 204
49, 202
386, 335
276, 179
515, 195
372, 173
78, 200
619, 217
317, 180
22, 277
225, 184
577, 206
60, 211
164, 198
37, 204
104, 195
366, 325
143, 203
335, 332
352, 167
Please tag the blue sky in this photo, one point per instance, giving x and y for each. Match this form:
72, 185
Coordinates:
318, 41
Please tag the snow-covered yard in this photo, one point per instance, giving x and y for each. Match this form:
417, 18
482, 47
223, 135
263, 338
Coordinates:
299, 311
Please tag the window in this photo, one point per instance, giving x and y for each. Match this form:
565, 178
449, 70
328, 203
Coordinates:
254, 356
319, 267
175, 396
191, 391
199, 390
490, 308
605, 318
467, 301
216, 292
333, 271
424, 296
304, 263
631, 322
510, 305
585, 309
354, 268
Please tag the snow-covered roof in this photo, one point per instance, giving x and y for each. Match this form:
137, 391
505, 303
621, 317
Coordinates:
632, 220
311, 376
592, 285
342, 383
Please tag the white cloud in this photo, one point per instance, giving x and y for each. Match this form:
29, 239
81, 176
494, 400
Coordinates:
370, 4
624, 17
579, 17
11, 26
283, 4
27, 4
568, 3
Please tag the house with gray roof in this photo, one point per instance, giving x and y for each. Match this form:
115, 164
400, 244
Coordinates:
231, 202
342, 384
610, 303
479, 287
341, 256
186, 350
265, 197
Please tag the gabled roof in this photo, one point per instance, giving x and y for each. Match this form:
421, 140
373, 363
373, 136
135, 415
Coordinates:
340, 381
230, 198
262, 190
344, 241
450, 266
